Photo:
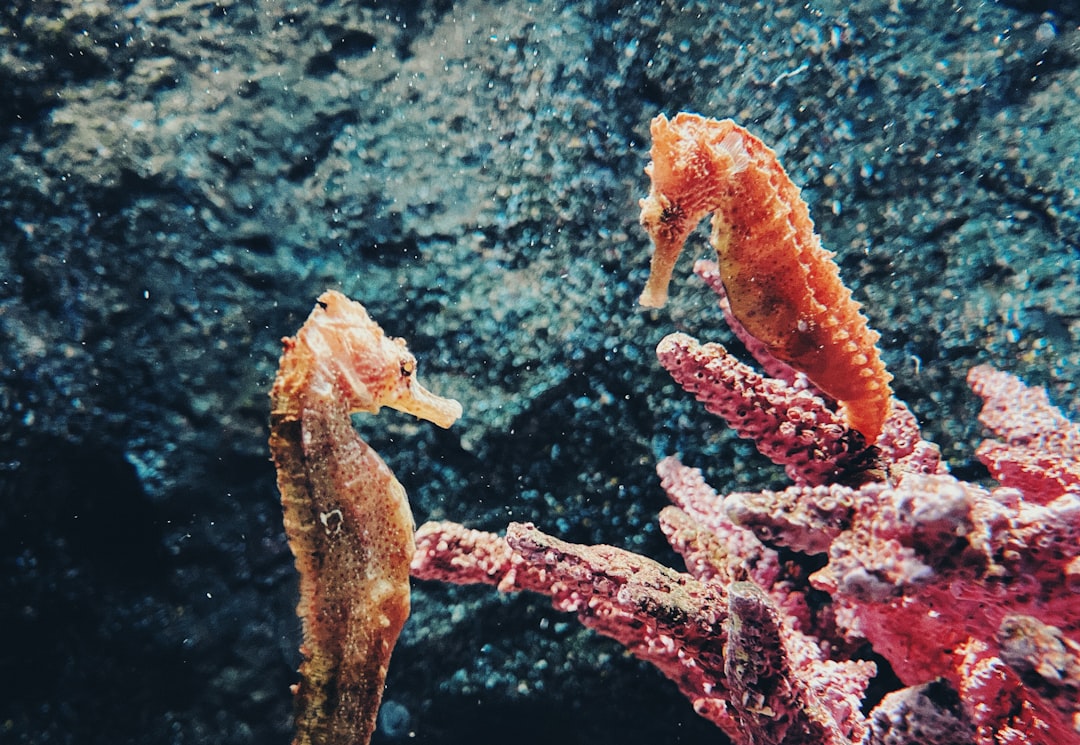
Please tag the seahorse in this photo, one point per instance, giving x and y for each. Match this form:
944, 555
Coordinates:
784, 288
346, 516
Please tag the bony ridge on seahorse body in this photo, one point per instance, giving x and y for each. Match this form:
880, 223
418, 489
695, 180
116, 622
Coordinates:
783, 287
346, 517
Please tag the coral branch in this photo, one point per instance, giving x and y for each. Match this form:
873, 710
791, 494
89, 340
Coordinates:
706, 639
450, 552
769, 701
1041, 452
790, 426
669, 619
1022, 415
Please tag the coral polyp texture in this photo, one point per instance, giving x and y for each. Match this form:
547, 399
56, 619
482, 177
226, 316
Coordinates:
969, 593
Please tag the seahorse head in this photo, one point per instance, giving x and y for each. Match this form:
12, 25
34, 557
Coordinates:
694, 166
354, 358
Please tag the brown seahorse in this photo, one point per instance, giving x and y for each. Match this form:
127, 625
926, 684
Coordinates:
347, 518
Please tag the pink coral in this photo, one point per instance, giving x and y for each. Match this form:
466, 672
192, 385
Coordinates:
791, 426
1041, 452
731, 652
948, 580
1022, 415
968, 592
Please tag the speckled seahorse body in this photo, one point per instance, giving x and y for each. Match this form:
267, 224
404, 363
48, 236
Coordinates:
347, 518
784, 288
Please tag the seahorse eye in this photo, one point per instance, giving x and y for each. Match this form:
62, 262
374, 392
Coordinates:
670, 213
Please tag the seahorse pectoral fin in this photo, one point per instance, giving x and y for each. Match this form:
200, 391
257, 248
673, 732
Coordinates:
422, 403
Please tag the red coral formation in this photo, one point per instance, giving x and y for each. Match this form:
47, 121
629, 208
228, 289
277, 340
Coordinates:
783, 287
1022, 416
726, 646
1041, 452
792, 427
969, 593
947, 580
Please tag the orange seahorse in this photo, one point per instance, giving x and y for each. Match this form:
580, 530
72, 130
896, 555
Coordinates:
346, 517
784, 288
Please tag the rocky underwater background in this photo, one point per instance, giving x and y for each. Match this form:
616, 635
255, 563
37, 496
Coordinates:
181, 180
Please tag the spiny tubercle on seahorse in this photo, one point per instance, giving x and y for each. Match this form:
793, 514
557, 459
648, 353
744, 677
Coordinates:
783, 287
346, 517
